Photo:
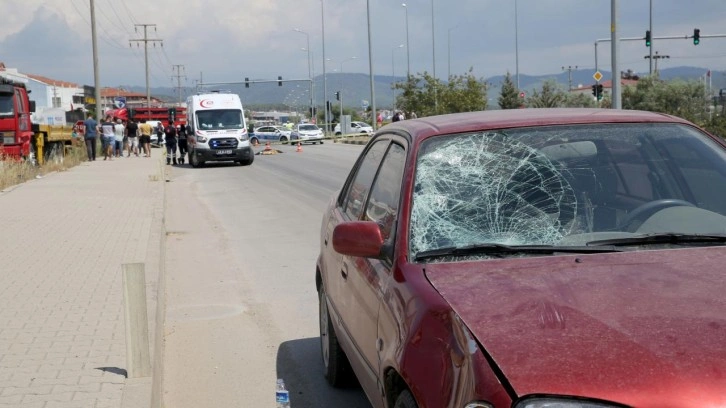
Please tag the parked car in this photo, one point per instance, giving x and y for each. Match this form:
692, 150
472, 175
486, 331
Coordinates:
267, 134
285, 131
306, 133
356, 127
528, 259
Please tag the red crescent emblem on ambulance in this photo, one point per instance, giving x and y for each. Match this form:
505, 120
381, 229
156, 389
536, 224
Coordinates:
206, 103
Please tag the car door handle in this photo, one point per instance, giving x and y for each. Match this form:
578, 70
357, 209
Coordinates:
344, 271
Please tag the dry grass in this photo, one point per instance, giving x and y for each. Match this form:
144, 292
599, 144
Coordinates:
14, 172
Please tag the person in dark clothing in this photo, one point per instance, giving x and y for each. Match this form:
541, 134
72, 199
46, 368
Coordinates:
170, 137
182, 142
91, 133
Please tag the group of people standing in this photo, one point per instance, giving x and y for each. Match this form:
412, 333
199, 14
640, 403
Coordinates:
119, 136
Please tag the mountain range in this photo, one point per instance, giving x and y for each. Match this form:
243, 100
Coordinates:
355, 87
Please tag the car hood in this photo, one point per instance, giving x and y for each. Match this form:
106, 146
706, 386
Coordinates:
641, 328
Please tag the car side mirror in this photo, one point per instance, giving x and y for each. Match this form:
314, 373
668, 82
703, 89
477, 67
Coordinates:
358, 238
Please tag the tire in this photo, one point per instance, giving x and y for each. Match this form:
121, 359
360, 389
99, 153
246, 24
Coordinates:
283, 139
194, 161
405, 400
321, 142
254, 141
336, 367
247, 162
337, 133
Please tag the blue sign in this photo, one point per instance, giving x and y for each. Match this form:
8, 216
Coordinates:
119, 102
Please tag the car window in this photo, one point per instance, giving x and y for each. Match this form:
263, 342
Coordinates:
565, 185
358, 189
384, 198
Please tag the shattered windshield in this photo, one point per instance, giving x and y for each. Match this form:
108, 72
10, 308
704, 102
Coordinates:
566, 185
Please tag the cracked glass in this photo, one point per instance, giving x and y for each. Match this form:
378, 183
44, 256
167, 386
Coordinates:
565, 185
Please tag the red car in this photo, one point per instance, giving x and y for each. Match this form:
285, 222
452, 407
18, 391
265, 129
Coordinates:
568, 258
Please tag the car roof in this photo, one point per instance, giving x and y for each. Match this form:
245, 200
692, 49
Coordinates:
512, 118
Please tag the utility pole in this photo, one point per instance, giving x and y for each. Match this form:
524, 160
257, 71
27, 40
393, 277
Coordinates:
569, 76
146, 40
96, 75
615, 50
655, 58
178, 76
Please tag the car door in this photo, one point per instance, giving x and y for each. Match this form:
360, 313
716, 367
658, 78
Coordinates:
373, 196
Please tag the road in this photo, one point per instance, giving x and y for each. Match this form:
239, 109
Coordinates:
240, 253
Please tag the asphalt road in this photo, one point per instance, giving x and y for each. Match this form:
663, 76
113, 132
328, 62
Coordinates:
242, 309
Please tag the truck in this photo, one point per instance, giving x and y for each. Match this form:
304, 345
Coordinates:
216, 129
152, 116
22, 138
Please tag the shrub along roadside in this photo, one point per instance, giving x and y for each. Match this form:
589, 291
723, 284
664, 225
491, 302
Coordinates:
14, 172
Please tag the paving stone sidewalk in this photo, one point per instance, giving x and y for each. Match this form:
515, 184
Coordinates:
63, 239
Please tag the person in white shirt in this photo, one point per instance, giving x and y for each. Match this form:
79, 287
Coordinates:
109, 137
119, 135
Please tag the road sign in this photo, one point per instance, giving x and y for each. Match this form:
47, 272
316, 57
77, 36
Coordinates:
597, 75
119, 102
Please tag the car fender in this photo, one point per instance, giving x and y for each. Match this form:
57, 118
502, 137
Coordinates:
421, 335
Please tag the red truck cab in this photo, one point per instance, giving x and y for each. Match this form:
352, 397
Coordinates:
16, 129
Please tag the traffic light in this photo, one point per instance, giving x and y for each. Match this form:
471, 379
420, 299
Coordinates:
279, 81
696, 36
594, 91
337, 95
599, 92
647, 38
247, 82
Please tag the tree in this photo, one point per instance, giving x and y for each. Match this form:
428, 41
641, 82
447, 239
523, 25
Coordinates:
428, 96
463, 93
678, 98
509, 95
579, 100
551, 96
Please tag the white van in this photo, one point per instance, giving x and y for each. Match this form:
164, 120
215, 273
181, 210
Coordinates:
217, 129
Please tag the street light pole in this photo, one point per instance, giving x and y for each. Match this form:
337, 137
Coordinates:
325, 79
408, 48
310, 76
393, 73
370, 67
650, 27
433, 51
449, 51
516, 42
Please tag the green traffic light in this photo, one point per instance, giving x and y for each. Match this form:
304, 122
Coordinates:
696, 36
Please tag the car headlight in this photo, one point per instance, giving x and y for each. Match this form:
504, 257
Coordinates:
553, 402
478, 405
201, 139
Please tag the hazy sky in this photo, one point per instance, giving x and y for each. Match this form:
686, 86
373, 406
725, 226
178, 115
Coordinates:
227, 40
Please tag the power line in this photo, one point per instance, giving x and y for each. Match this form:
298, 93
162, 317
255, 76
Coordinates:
146, 40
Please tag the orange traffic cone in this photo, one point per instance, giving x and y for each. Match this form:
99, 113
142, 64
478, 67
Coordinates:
299, 148
267, 146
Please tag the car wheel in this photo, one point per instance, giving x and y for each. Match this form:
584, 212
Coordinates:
194, 160
247, 162
283, 140
254, 141
337, 133
338, 372
321, 142
405, 400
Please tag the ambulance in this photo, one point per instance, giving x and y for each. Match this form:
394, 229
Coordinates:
217, 130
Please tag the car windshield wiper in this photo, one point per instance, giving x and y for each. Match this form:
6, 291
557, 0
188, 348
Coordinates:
500, 249
655, 239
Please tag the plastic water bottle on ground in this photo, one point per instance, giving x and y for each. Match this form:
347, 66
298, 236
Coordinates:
282, 395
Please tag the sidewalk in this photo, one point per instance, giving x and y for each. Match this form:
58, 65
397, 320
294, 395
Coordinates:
64, 238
